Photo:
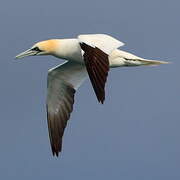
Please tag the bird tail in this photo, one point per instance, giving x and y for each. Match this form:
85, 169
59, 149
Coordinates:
147, 62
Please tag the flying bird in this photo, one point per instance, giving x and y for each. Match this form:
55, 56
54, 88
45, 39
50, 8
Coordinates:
86, 56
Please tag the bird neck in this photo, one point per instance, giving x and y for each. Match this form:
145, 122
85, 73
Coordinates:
68, 49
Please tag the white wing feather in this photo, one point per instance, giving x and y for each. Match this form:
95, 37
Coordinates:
102, 41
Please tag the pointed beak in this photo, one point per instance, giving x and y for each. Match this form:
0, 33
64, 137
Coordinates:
28, 52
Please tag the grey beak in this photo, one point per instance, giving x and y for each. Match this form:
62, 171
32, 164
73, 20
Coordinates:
28, 52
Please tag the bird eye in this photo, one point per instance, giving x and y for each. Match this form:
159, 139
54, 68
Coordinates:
36, 49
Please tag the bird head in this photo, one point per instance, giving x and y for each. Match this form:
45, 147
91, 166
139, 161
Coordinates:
47, 47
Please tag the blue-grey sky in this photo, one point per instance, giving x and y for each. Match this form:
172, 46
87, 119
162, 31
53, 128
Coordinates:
134, 135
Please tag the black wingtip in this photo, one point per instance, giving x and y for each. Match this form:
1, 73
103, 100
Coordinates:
56, 149
55, 153
101, 101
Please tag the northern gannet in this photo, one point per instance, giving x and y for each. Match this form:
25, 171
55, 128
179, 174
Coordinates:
87, 55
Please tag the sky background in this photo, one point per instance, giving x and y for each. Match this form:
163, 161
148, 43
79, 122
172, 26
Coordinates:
134, 135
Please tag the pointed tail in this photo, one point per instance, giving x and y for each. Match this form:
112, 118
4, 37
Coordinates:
147, 62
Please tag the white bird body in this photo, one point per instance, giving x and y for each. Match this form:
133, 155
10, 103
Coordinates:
68, 49
91, 55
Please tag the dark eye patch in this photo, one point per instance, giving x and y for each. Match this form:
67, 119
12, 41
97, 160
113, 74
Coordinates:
36, 49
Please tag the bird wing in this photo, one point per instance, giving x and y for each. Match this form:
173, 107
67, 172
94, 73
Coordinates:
96, 49
102, 41
63, 81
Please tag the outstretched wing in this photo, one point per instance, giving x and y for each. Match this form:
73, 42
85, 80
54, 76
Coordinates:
63, 81
97, 48
97, 65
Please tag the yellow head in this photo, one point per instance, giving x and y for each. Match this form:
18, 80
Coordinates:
47, 47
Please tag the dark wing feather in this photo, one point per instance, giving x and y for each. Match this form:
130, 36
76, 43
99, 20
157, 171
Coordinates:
97, 65
57, 119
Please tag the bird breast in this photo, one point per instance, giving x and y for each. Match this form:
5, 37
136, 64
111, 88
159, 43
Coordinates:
69, 49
